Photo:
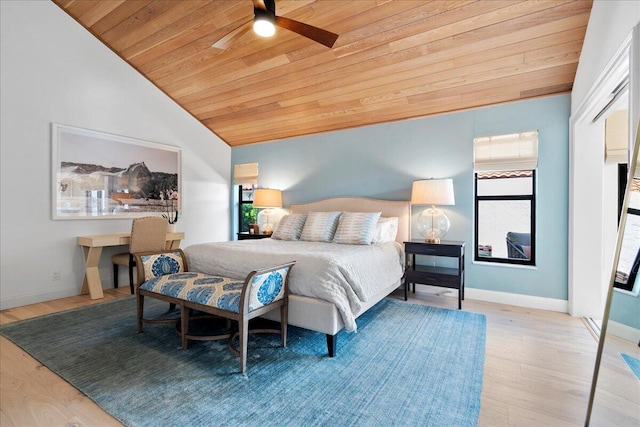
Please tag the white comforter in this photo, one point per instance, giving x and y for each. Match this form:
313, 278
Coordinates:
345, 275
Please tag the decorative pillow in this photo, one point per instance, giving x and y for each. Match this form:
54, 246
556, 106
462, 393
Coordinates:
386, 230
356, 228
290, 227
320, 226
162, 264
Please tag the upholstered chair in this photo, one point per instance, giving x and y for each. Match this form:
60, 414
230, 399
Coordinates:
518, 245
147, 234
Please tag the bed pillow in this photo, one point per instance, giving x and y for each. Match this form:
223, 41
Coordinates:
290, 227
356, 228
386, 230
320, 226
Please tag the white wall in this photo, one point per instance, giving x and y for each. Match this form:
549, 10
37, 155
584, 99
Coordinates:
53, 70
610, 23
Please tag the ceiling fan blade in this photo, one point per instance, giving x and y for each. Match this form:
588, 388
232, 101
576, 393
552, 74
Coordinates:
319, 35
228, 40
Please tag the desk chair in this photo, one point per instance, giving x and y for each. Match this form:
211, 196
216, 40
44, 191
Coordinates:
147, 234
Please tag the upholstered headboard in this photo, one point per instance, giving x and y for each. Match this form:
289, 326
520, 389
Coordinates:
401, 209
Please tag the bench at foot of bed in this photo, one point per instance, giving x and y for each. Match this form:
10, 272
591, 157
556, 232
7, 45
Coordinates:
165, 275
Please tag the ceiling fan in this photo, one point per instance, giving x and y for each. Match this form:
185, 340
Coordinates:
264, 22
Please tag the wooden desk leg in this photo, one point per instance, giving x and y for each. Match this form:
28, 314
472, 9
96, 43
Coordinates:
92, 283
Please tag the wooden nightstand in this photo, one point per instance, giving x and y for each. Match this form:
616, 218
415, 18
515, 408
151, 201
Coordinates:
435, 276
247, 236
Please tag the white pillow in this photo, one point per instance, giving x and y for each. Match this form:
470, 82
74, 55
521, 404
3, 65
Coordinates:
290, 227
320, 226
386, 230
356, 228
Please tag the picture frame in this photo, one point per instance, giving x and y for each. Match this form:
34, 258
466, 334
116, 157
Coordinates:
98, 175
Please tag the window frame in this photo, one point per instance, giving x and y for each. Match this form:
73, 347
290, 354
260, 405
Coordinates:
529, 197
629, 286
241, 203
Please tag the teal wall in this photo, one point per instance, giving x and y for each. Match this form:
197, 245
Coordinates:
381, 161
625, 309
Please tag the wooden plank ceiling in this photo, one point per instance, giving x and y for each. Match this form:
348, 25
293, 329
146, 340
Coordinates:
393, 60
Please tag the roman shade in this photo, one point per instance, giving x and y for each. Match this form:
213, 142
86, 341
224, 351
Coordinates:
246, 174
514, 151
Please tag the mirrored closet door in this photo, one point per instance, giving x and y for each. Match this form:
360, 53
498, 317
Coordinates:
615, 389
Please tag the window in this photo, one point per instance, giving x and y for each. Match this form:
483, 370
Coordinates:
629, 260
505, 203
245, 175
247, 214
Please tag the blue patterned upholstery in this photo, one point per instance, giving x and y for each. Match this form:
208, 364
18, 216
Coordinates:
157, 265
217, 291
213, 291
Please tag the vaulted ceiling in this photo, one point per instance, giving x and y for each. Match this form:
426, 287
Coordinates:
393, 60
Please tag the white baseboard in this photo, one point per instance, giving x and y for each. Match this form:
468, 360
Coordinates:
519, 300
26, 299
106, 276
623, 331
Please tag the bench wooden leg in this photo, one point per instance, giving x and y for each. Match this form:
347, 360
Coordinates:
283, 324
243, 332
185, 312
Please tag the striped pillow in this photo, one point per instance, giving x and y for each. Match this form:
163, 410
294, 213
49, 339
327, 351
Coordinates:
290, 227
356, 228
320, 226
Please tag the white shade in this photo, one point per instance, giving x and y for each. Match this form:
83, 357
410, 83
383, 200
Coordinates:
267, 198
245, 174
432, 192
515, 151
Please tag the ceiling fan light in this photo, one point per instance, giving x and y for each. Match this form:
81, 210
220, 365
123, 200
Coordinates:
264, 26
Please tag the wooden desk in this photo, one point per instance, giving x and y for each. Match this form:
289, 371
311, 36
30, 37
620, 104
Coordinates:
92, 250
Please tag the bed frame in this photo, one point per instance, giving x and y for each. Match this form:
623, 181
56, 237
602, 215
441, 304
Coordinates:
322, 316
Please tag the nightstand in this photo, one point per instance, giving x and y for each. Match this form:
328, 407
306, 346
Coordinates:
247, 236
431, 275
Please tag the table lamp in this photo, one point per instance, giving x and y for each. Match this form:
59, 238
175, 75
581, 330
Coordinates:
432, 223
267, 198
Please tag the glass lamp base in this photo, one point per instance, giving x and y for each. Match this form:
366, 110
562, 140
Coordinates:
265, 221
433, 224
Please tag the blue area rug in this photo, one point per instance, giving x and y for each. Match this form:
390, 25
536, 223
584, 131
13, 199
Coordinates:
634, 364
408, 365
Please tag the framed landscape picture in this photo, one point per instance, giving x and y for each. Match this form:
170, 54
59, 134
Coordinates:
100, 175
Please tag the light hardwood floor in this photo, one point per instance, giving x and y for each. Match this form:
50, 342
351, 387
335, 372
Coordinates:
537, 371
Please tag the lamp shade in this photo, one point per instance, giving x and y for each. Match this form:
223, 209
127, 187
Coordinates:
267, 198
432, 192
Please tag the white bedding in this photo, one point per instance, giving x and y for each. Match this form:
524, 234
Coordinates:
345, 275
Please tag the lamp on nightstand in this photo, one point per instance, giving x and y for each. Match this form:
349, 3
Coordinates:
267, 198
432, 223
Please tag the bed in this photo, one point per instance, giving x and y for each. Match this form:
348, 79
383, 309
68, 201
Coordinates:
332, 284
